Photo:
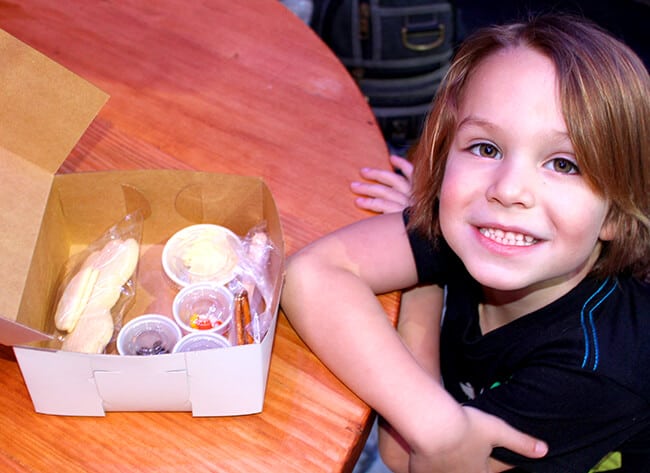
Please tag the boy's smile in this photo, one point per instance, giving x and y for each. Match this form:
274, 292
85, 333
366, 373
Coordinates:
508, 237
513, 204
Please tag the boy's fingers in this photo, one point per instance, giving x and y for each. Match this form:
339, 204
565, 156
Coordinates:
403, 165
383, 176
512, 439
377, 205
521, 443
525, 445
387, 179
381, 191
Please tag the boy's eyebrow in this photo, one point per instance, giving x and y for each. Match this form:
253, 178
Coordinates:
472, 120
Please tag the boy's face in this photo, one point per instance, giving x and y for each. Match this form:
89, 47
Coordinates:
513, 204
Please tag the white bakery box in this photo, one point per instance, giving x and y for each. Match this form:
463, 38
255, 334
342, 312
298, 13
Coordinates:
47, 218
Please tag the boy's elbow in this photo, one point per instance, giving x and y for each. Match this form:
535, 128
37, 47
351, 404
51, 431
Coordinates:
395, 461
393, 450
299, 269
300, 279
310, 267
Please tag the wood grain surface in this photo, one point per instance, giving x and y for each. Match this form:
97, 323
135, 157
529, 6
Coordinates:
216, 85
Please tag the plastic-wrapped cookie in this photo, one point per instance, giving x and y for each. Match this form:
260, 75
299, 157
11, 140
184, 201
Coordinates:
202, 253
118, 258
116, 262
92, 333
74, 299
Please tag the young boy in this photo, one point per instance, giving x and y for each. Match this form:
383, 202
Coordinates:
530, 206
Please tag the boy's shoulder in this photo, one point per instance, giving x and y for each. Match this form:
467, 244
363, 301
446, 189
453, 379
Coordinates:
620, 332
619, 300
632, 299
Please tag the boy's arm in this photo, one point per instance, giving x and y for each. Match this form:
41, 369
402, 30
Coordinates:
419, 327
329, 297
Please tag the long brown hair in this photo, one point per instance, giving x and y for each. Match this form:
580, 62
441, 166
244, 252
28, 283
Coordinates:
604, 89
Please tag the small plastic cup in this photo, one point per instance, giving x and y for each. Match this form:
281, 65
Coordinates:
149, 334
203, 307
202, 253
200, 341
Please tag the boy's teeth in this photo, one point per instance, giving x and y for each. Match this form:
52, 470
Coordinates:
508, 238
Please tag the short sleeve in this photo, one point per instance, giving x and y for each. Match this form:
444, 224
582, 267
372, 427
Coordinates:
578, 415
434, 260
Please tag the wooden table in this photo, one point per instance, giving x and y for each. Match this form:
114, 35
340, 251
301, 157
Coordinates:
218, 85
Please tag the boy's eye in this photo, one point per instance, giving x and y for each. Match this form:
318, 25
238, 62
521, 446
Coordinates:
485, 150
563, 165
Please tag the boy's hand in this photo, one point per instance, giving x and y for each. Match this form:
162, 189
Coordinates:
388, 191
472, 454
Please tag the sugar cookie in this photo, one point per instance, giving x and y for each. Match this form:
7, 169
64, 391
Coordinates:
116, 263
92, 332
106, 292
118, 258
84, 309
74, 299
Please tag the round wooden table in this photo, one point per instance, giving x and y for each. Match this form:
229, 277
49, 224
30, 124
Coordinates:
228, 86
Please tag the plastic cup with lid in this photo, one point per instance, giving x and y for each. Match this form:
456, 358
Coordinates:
149, 334
204, 307
202, 253
201, 341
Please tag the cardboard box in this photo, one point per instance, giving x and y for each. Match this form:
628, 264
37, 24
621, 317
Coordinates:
47, 218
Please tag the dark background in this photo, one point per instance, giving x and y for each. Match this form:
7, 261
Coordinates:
628, 20
401, 104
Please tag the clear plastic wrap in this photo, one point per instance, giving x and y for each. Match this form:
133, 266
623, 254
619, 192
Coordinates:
252, 284
247, 320
240, 264
97, 288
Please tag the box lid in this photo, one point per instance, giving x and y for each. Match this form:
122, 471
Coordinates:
44, 110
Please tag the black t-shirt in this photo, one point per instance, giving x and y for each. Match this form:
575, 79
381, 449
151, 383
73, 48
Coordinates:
574, 373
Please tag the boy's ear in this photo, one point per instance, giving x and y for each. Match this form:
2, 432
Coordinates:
609, 229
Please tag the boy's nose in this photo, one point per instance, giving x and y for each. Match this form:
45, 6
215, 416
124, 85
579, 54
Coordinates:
512, 184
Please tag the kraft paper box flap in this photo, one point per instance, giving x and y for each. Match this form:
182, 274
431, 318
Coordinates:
44, 110
23, 195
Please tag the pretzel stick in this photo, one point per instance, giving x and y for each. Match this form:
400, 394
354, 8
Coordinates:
242, 318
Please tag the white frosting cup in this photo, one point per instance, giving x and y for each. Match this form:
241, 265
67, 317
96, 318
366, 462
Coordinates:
202, 253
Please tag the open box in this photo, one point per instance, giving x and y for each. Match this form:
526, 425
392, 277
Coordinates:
46, 218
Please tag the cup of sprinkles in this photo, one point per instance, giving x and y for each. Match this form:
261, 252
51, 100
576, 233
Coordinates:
203, 307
